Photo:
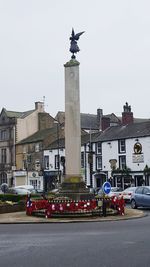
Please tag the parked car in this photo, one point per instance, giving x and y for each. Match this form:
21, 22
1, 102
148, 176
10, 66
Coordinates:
38, 191
26, 187
115, 191
18, 191
30, 188
127, 193
141, 197
55, 190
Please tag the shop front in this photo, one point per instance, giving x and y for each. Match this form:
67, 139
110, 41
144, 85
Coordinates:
50, 180
35, 179
99, 179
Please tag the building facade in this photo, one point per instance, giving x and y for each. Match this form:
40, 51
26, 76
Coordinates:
120, 154
14, 127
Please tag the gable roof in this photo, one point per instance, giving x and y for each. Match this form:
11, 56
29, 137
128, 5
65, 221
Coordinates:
88, 121
133, 130
40, 135
85, 138
136, 120
16, 114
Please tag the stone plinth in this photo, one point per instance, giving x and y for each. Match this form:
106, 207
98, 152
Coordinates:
75, 188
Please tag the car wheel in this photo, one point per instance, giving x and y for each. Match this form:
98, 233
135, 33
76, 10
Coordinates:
133, 204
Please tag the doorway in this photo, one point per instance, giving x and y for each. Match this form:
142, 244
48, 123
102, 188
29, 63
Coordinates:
139, 180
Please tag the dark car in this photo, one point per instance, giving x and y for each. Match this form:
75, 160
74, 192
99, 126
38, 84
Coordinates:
141, 197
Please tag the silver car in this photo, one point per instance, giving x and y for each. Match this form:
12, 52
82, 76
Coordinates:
127, 193
18, 191
115, 191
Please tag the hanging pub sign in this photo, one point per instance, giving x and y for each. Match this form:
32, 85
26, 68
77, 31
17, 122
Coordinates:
137, 156
137, 148
113, 163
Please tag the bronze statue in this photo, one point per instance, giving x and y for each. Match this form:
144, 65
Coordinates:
74, 47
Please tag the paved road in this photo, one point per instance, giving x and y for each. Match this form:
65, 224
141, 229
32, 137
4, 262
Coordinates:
104, 244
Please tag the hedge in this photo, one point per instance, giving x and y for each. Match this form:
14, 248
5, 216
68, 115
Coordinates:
16, 198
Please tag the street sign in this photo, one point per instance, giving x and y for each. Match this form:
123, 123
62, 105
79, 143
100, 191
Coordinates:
106, 188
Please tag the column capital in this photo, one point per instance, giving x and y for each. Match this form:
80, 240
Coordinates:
71, 63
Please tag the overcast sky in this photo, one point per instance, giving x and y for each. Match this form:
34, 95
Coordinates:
114, 57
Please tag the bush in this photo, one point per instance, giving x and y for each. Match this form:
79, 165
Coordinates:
12, 197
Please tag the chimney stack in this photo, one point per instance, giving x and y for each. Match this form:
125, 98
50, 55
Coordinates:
127, 115
99, 118
39, 106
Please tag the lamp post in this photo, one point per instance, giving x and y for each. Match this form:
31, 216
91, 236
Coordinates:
58, 154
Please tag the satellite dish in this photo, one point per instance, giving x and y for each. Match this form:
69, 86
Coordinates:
4, 187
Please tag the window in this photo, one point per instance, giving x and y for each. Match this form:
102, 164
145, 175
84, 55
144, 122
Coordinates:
122, 162
24, 149
46, 162
99, 148
37, 147
37, 164
57, 161
99, 163
3, 135
33, 183
146, 190
122, 146
82, 159
3, 155
25, 165
3, 178
29, 158
139, 190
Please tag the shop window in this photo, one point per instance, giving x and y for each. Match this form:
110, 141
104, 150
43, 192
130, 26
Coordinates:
33, 183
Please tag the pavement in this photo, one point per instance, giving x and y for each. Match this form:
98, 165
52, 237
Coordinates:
21, 217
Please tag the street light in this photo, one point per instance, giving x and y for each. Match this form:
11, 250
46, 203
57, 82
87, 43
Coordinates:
58, 155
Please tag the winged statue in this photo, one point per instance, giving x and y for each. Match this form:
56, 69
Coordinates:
73, 44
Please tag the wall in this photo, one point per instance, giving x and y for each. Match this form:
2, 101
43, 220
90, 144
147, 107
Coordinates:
27, 126
110, 151
145, 142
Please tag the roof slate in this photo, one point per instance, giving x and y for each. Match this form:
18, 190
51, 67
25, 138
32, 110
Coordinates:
88, 121
39, 136
16, 114
85, 138
133, 130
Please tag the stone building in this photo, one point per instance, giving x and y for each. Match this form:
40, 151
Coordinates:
30, 162
15, 126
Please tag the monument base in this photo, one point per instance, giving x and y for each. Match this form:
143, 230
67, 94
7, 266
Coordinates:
75, 189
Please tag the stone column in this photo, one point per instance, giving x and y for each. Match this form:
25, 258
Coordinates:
72, 120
